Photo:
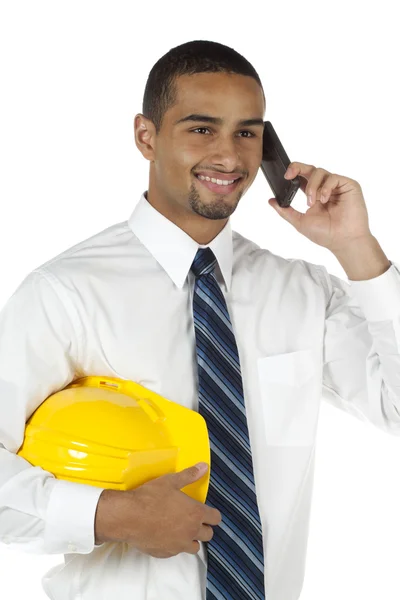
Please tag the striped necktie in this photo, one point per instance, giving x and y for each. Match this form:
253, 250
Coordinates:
235, 553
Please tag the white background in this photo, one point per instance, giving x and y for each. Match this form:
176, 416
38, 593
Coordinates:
72, 77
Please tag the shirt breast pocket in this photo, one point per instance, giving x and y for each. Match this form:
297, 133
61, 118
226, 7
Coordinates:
290, 389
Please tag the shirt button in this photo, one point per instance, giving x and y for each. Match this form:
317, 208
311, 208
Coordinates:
72, 548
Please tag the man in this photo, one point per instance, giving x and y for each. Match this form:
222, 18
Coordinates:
175, 300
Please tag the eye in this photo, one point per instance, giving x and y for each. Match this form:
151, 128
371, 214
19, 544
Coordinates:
198, 129
206, 128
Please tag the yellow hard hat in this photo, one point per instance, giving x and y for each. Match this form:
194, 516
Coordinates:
117, 434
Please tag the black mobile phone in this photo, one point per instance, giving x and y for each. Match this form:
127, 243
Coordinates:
274, 165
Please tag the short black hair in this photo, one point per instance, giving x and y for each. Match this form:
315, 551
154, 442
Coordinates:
199, 56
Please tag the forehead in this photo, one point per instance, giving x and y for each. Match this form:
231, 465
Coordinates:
215, 92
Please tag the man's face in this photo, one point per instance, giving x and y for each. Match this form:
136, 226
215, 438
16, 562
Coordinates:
184, 149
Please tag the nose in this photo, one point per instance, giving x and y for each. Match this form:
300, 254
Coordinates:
227, 154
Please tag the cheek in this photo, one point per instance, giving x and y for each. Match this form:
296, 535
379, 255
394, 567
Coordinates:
182, 161
250, 179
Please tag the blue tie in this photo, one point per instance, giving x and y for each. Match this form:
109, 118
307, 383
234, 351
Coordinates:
235, 553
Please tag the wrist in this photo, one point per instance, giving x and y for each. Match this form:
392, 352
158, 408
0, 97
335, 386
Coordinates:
363, 259
106, 518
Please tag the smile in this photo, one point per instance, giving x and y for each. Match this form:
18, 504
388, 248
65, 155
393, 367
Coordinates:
219, 189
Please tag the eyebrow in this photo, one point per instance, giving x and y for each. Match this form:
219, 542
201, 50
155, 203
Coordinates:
218, 121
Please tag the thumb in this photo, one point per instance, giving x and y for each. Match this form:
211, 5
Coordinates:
189, 475
288, 213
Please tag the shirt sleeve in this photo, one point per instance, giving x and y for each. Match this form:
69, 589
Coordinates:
361, 372
39, 349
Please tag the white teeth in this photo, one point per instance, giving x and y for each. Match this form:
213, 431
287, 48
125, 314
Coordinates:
217, 181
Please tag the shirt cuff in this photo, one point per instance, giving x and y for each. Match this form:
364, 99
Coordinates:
379, 298
70, 519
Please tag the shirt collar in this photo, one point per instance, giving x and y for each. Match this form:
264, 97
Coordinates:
174, 249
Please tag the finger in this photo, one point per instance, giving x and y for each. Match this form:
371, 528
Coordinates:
288, 213
315, 183
298, 168
205, 533
192, 547
301, 170
213, 516
329, 184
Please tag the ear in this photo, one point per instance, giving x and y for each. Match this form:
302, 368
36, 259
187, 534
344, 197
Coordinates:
145, 135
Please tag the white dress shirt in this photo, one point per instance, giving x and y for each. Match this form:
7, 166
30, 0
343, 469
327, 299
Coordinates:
119, 304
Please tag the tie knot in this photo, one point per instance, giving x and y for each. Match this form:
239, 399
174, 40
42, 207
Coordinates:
204, 262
